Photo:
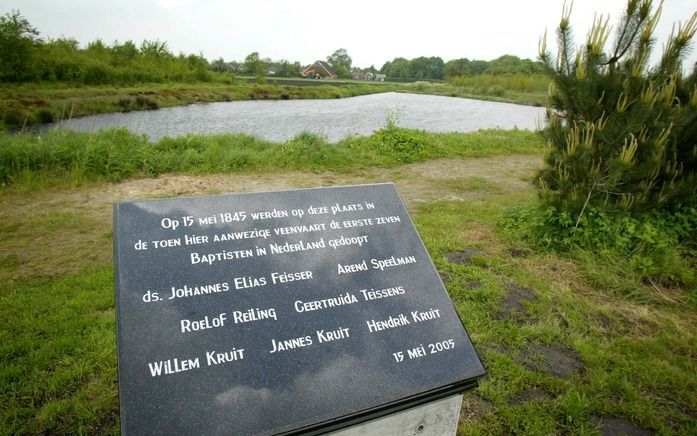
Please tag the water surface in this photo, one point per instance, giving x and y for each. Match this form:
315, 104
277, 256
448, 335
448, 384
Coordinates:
334, 119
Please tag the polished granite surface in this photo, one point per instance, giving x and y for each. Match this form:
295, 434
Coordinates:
274, 312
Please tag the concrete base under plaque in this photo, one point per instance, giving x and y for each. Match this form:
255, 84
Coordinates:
438, 418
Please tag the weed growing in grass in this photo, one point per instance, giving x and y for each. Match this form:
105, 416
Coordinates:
654, 248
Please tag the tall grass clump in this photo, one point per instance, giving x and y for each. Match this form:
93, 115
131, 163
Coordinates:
65, 157
511, 82
111, 155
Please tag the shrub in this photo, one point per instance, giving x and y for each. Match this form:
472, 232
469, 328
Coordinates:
44, 116
496, 91
657, 245
14, 119
125, 104
621, 135
96, 74
404, 144
145, 102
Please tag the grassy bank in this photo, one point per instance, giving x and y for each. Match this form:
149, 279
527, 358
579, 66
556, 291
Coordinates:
65, 158
36, 103
27, 104
565, 354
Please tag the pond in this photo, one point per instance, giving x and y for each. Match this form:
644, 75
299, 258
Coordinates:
333, 119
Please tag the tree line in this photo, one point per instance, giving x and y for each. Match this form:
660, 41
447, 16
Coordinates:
434, 68
25, 57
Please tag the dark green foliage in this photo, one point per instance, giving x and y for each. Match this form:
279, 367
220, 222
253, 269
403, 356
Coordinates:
341, 62
421, 68
504, 65
406, 145
14, 119
620, 182
24, 57
655, 246
622, 136
44, 116
254, 66
18, 40
434, 68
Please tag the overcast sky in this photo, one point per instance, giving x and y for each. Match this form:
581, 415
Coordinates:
372, 31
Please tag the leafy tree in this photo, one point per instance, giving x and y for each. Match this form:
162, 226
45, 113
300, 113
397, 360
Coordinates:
398, 67
154, 49
456, 67
219, 65
341, 62
122, 53
508, 64
253, 65
622, 135
286, 69
18, 40
478, 67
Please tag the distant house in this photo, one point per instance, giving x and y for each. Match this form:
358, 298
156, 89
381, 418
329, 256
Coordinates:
380, 77
360, 75
320, 69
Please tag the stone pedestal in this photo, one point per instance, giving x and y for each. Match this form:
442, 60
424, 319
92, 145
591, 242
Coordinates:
438, 418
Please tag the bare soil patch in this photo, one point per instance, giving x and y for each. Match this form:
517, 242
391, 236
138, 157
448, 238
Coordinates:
473, 284
26, 251
530, 396
463, 257
556, 359
614, 426
474, 407
512, 306
519, 251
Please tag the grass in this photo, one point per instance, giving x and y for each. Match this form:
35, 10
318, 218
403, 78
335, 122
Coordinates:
71, 158
635, 361
563, 352
58, 356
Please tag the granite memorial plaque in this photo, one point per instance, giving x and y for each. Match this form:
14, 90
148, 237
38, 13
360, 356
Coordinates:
279, 313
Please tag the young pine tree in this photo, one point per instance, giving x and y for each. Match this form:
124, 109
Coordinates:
622, 135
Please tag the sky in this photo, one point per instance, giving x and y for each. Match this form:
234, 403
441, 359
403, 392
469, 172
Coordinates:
372, 32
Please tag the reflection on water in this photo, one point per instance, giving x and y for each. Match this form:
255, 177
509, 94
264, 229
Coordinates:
334, 119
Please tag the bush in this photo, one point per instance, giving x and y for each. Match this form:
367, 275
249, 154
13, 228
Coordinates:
14, 119
654, 246
96, 74
404, 144
44, 116
496, 91
145, 102
125, 104
621, 135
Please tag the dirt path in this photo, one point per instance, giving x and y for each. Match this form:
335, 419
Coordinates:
50, 233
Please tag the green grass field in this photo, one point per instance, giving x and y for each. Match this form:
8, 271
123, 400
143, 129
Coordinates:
565, 353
